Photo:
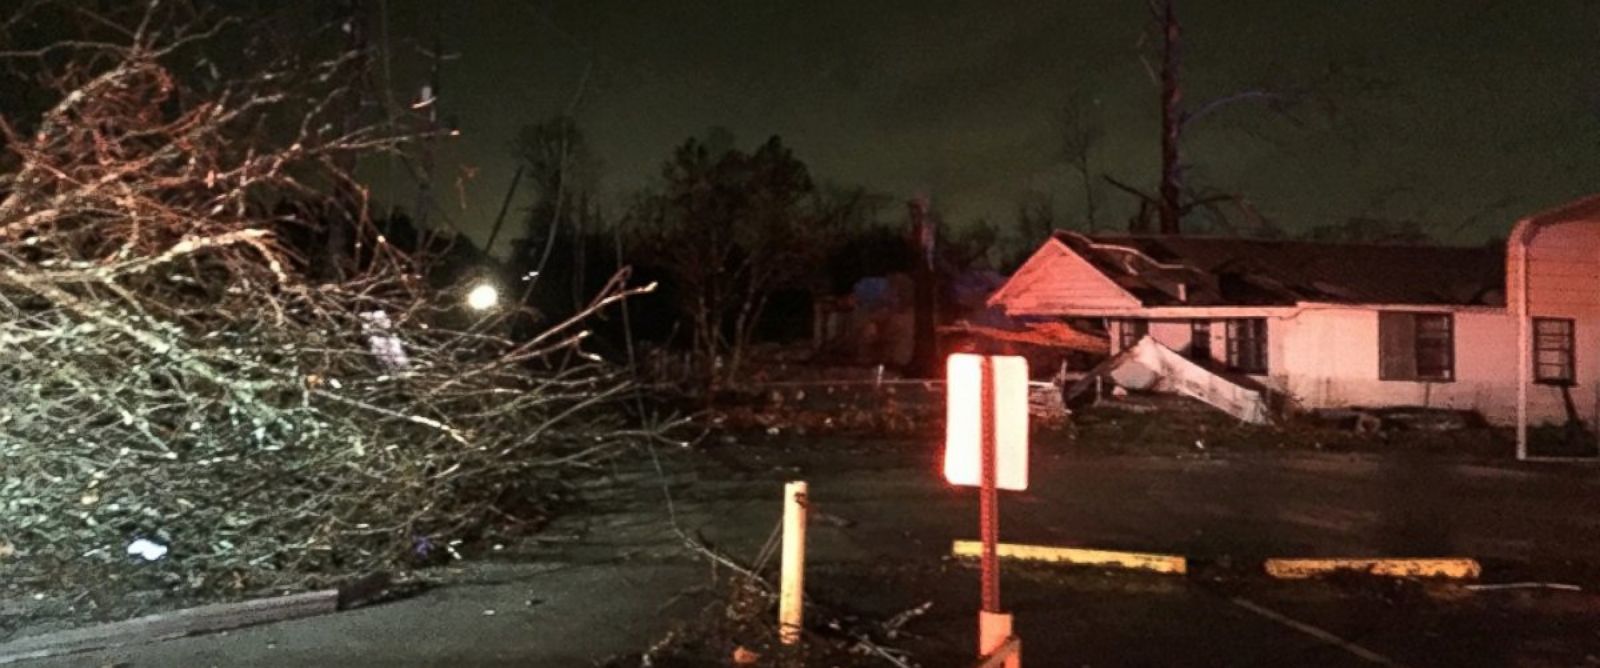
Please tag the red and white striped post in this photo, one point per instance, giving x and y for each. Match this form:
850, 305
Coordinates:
998, 443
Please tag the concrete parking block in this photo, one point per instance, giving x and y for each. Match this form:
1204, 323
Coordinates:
1160, 563
1454, 567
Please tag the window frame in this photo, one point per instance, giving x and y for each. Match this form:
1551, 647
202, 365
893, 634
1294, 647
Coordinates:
1568, 348
1423, 340
1445, 373
1197, 353
1248, 354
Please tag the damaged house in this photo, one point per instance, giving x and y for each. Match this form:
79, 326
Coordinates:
1510, 331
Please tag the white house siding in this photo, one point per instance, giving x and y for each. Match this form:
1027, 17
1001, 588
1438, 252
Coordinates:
1563, 281
1326, 355
1330, 359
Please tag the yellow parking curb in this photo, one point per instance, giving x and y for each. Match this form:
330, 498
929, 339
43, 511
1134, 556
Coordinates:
1160, 563
1297, 569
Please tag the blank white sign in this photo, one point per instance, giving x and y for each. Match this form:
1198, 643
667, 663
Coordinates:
964, 427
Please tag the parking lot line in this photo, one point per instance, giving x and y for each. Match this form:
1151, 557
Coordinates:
1318, 633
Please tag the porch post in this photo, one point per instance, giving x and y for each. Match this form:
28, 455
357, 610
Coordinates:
1519, 248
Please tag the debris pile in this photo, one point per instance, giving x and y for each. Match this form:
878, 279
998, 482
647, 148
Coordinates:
189, 401
1148, 365
900, 408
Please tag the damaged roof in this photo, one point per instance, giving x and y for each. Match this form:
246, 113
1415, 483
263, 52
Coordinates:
1212, 271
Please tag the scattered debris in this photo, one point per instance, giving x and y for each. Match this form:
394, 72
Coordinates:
1148, 365
1404, 418
831, 520
745, 657
891, 628
1045, 403
147, 549
1420, 418
648, 658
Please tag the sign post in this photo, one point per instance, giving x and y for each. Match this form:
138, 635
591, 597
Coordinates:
986, 444
988, 494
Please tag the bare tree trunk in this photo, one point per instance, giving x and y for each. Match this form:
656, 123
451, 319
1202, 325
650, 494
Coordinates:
744, 331
1088, 193
705, 345
741, 323
1171, 189
580, 254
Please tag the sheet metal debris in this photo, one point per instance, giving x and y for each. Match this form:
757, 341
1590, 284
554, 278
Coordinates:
1150, 366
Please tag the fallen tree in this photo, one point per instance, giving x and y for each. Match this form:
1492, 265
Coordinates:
174, 380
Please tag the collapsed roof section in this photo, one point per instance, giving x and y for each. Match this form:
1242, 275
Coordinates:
1210, 271
1150, 366
1059, 335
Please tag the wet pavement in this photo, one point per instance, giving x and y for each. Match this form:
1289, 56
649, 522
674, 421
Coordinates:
614, 579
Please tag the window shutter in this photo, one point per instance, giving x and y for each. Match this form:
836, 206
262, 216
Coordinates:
1397, 354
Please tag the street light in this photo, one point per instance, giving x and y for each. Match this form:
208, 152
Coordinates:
483, 297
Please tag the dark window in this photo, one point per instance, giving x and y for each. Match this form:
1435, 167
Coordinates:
1200, 340
1132, 331
1416, 346
1247, 345
1552, 351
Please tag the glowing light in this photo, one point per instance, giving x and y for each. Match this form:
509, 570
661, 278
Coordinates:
964, 420
483, 297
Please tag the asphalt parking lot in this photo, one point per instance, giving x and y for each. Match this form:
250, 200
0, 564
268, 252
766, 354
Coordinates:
615, 578
889, 521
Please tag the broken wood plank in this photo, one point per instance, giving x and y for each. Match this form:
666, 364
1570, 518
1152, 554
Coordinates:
165, 625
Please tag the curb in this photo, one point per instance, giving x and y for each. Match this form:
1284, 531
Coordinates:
165, 625
1160, 563
1459, 568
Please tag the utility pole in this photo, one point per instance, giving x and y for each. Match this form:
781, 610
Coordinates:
505, 205
1171, 191
430, 98
924, 350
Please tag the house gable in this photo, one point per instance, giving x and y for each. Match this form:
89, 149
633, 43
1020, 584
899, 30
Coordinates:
1057, 281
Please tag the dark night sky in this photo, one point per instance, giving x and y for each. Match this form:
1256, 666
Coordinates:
1492, 109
